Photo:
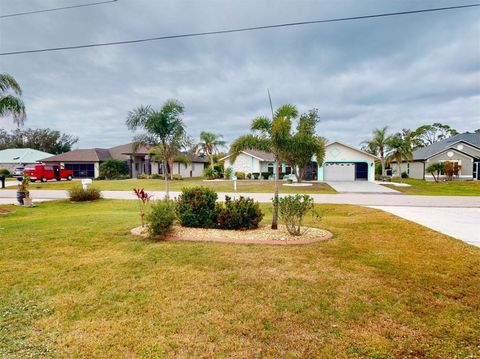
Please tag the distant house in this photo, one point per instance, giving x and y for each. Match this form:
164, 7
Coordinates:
85, 163
342, 163
12, 157
463, 149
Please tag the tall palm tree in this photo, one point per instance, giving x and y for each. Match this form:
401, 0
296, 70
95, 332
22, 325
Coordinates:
165, 133
209, 144
269, 136
400, 149
378, 145
11, 104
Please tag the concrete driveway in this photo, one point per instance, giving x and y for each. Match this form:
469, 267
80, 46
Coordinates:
359, 187
460, 223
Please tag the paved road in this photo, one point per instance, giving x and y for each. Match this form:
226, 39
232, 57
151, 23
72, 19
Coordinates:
460, 223
8, 196
360, 187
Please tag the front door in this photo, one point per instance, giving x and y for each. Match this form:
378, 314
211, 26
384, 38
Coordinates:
476, 171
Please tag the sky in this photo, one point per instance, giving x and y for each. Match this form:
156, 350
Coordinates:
400, 72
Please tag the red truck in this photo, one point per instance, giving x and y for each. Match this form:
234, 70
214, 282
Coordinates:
40, 172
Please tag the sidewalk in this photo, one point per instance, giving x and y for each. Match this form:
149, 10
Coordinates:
9, 196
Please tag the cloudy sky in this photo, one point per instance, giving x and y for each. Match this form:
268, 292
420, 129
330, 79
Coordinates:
397, 71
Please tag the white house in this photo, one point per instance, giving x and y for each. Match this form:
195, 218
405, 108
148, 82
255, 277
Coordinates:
342, 163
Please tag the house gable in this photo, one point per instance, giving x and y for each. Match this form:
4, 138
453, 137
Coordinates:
337, 151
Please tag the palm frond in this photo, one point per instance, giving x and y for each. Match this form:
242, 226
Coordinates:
248, 142
13, 106
7, 82
261, 124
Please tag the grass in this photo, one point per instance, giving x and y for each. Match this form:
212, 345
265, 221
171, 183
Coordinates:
75, 283
158, 185
453, 188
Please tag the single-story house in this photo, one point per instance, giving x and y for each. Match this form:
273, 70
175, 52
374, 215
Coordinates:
463, 148
85, 163
342, 163
12, 157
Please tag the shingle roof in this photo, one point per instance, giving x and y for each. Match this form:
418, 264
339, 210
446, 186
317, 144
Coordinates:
84, 155
22, 155
266, 156
429, 151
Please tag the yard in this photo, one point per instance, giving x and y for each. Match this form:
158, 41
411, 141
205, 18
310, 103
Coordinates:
453, 188
158, 185
75, 283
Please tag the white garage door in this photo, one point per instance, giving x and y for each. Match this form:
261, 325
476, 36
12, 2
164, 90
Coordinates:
339, 172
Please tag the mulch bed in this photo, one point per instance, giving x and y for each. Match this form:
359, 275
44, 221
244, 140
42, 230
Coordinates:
262, 235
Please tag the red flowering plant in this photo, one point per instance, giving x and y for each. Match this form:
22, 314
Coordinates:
143, 200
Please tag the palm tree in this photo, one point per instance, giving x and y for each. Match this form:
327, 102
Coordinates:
209, 144
269, 136
400, 149
11, 104
165, 133
378, 145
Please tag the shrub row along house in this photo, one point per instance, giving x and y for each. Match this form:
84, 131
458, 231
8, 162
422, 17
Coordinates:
342, 163
85, 163
462, 149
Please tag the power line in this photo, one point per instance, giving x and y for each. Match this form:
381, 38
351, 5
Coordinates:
244, 29
57, 9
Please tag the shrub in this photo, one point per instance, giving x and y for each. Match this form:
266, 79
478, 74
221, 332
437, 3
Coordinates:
240, 175
78, 194
249, 175
293, 209
210, 173
143, 176
160, 218
255, 175
113, 168
4, 172
143, 200
404, 174
121, 177
228, 173
242, 213
265, 175
452, 169
177, 177
196, 206
219, 168
157, 176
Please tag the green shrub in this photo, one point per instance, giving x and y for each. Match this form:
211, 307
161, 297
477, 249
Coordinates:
249, 175
196, 207
177, 177
265, 175
160, 218
143, 176
240, 175
228, 172
4, 172
157, 176
210, 173
293, 209
113, 168
404, 174
219, 168
242, 213
78, 194
256, 175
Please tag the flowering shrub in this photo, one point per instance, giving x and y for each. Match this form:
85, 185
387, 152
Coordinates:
195, 207
143, 200
242, 213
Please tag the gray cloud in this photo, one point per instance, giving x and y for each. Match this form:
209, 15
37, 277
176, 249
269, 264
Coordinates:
397, 71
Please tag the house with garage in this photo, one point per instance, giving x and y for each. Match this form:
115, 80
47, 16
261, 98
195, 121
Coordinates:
463, 149
341, 163
85, 163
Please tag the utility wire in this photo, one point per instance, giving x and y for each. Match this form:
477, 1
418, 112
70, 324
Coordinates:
57, 9
244, 29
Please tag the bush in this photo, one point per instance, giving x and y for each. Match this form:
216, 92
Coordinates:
404, 174
255, 175
249, 175
157, 176
240, 175
177, 177
219, 168
78, 194
143, 176
265, 175
242, 213
4, 172
196, 206
160, 218
293, 209
113, 168
210, 173
228, 173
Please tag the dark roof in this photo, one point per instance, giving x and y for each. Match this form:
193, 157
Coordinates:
121, 153
427, 152
86, 155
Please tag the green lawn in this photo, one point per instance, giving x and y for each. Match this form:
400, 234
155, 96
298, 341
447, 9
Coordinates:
453, 188
158, 185
75, 283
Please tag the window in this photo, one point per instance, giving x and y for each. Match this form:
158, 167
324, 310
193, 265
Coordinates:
288, 170
270, 168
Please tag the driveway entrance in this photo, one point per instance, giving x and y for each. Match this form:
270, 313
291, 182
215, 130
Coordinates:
359, 187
